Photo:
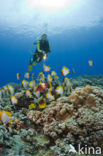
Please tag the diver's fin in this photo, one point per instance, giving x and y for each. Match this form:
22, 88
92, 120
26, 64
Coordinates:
30, 68
35, 63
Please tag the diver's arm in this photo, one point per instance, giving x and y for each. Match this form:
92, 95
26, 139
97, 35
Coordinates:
38, 47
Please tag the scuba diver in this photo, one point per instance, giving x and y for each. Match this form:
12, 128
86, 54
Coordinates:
41, 53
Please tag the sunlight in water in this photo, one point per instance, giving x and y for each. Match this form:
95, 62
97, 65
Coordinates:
50, 5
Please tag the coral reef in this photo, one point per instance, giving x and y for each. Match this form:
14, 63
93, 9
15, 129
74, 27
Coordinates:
87, 80
60, 127
78, 118
62, 148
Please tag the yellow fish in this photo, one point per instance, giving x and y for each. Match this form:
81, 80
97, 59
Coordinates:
32, 83
36, 93
41, 73
1, 93
55, 77
59, 90
32, 75
69, 89
49, 96
14, 100
25, 83
5, 117
34, 88
90, 63
28, 93
11, 89
5, 88
32, 106
42, 104
65, 71
49, 78
53, 73
46, 68
41, 77
18, 76
27, 75
50, 88
67, 81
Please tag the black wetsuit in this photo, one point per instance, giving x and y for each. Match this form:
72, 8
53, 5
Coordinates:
42, 46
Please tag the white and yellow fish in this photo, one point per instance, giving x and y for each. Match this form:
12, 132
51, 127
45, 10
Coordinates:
5, 90
28, 93
41, 73
11, 89
55, 77
49, 78
32, 76
67, 85
49, 96
90, 63
13, 100
51, 87
6, 117
25, 83
1, 93
36, 93
65, 71
46, 68
59, 90
69, 88
18, 76
32, 83
67, 81
27, 75
34, 88
41, 77
53, 73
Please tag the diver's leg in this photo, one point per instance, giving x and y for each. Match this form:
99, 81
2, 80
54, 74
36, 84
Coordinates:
35, 56
31, 63
33, 59
38, 59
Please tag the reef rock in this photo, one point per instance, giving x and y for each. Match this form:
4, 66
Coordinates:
77, 118
62, 148
87, 80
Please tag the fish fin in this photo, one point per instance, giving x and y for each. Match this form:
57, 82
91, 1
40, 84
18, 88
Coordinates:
30, 68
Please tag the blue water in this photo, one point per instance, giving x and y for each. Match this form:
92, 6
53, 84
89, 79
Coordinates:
72, 48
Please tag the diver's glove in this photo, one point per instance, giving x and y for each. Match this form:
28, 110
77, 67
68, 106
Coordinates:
43, 52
